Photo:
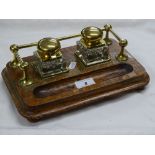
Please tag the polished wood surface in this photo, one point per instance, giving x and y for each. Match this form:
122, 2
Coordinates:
58, 94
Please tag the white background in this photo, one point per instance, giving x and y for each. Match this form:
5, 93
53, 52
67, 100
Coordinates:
133, 113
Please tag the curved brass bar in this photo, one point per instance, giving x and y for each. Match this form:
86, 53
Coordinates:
59, 38
72, 36
69, 37
27, 45
115, 35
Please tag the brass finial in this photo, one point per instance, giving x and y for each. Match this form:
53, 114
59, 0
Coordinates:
107, 27
14, 48
92, 36
121, 56
25, 80
16, 60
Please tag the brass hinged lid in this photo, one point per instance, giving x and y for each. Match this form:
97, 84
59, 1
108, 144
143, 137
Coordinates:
92, 37
49, 48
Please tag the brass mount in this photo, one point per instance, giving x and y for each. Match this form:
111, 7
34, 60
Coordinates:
25, 80
107, 27
17, 60
49, 49
121, 56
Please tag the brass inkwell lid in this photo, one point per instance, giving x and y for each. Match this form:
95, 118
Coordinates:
92, 37
49, 49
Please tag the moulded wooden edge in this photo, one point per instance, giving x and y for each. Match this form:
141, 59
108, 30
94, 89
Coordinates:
32, 117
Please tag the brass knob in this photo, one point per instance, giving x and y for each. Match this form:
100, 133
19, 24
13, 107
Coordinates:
92, 36
123, 43
14, 48
48, 47
108, 27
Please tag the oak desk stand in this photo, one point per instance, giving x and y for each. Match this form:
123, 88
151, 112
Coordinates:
44, 85
58, 94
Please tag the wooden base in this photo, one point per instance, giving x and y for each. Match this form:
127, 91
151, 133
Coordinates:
58, 94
